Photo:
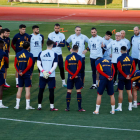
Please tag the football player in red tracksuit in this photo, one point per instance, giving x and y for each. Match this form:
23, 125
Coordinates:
106, 70
126, 67
73, 66
3, 58
23, 64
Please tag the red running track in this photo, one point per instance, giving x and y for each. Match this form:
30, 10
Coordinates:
53, 14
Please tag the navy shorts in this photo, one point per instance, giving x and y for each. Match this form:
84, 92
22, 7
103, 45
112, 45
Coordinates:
50, 81
105, 83
137, 85
76, 81
6, 65
34, 60
2, 80
60, 61
126, 83
24, 80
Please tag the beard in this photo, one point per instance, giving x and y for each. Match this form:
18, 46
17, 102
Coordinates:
94, 35
36, 32
56, 32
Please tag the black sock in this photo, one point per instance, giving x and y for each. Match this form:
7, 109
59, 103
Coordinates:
51, 96
40, 95
62, 74
79, 99
68, 98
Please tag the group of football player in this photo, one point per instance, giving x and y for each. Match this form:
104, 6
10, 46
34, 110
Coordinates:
109, 58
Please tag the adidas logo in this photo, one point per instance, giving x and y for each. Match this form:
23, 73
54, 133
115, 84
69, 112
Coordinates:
126, 59
105, 61
22, 55
47, 55
72, 58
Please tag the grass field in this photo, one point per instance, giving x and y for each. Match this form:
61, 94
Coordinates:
100, 4
63, 125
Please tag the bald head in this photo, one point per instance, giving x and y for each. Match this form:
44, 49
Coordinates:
136, 30
118, 36
122, 34
118, 33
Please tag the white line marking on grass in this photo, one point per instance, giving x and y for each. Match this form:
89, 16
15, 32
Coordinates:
64, 24
96, 25
70, 125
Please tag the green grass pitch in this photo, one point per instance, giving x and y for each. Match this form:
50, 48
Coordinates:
31, 130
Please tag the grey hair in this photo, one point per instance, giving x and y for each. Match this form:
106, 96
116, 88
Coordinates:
122, 30
136, 27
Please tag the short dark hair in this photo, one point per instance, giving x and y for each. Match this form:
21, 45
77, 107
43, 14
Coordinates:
108, 33
0, 25
7, 30
35, 26
22, 26
93, 28
77, 27
123, 48
75, 48
49, 43
26, 45
2, 31
1, 44
57, 24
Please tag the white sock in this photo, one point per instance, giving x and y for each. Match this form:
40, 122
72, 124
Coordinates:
16, 81
120, 105
113, 107
130, 105
51, 105
97, 108
0, 102
135, 102
63, 82
27, 102
94, 85
17, 101
5, 81
39, 106
97, 82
